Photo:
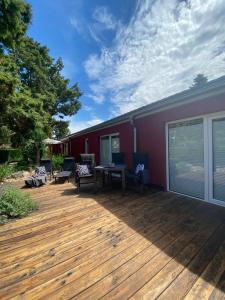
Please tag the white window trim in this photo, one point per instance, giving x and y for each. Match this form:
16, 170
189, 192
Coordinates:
110, 143
208, 155
86, 146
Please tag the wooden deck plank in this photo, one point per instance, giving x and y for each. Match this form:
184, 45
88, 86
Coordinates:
146, 231
163, 259
157, 245
157, 235
183, 283
206, 283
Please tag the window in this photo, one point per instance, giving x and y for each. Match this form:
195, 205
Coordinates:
109, 144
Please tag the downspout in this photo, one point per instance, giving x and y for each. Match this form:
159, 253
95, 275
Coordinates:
70, 147
132, 122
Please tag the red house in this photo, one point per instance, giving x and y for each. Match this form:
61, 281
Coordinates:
184, 136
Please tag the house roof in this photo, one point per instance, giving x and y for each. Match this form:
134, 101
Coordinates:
49, 141
211, 88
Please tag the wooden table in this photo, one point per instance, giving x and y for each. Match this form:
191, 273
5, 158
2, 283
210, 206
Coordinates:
117, 169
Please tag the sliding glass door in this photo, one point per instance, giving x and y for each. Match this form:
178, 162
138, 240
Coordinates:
196, 158
218, 159
186, 158
109, 144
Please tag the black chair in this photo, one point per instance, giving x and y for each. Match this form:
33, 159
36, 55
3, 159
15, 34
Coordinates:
142, 177
118, 158
47, 163
67, 170
89, 160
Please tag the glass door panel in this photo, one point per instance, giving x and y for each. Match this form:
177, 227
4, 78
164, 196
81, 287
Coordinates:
218, 159
115, 141
105, 153
186, 158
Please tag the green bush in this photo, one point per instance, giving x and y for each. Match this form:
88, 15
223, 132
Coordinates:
3, 219
15, 203
8, 155
5, 171
57, 161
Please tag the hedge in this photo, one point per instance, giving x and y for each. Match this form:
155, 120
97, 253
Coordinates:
8, 155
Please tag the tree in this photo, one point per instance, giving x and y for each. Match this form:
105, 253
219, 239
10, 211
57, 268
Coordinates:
15, 17
33, 91
5, 135
60, 129
199, 80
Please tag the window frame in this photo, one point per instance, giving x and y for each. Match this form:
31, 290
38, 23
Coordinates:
208, 154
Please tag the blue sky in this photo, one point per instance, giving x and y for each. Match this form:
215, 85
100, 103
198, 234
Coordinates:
125, 54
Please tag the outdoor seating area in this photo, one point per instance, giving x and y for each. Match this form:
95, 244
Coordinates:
87, 172
92, 246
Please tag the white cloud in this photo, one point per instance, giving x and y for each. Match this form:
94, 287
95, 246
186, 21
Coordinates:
165, 45
93, 66
76, 126
77, 24
87, 108
102, 20
103, 16
99, 99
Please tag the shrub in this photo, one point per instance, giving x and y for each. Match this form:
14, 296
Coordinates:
57, 161
5, 171
8, 155
3, 219
15, 203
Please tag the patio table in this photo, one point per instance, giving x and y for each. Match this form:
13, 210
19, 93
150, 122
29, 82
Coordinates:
65, 175
115, 169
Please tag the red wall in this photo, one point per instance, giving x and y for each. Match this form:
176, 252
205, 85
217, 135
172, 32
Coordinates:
56, 149
126, 142
150, 136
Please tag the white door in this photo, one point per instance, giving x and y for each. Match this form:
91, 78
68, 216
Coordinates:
217, 159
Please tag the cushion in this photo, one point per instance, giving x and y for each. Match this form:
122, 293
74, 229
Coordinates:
83, 170
40, 171
139, 168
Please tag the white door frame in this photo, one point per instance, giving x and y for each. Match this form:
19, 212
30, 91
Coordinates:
208, 154
210, 128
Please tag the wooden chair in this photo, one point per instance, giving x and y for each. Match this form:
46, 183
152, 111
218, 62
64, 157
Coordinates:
117, 159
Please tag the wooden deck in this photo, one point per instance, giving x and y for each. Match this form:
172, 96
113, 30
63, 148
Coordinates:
159, 245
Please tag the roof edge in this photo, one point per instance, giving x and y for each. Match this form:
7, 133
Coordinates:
216, 86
